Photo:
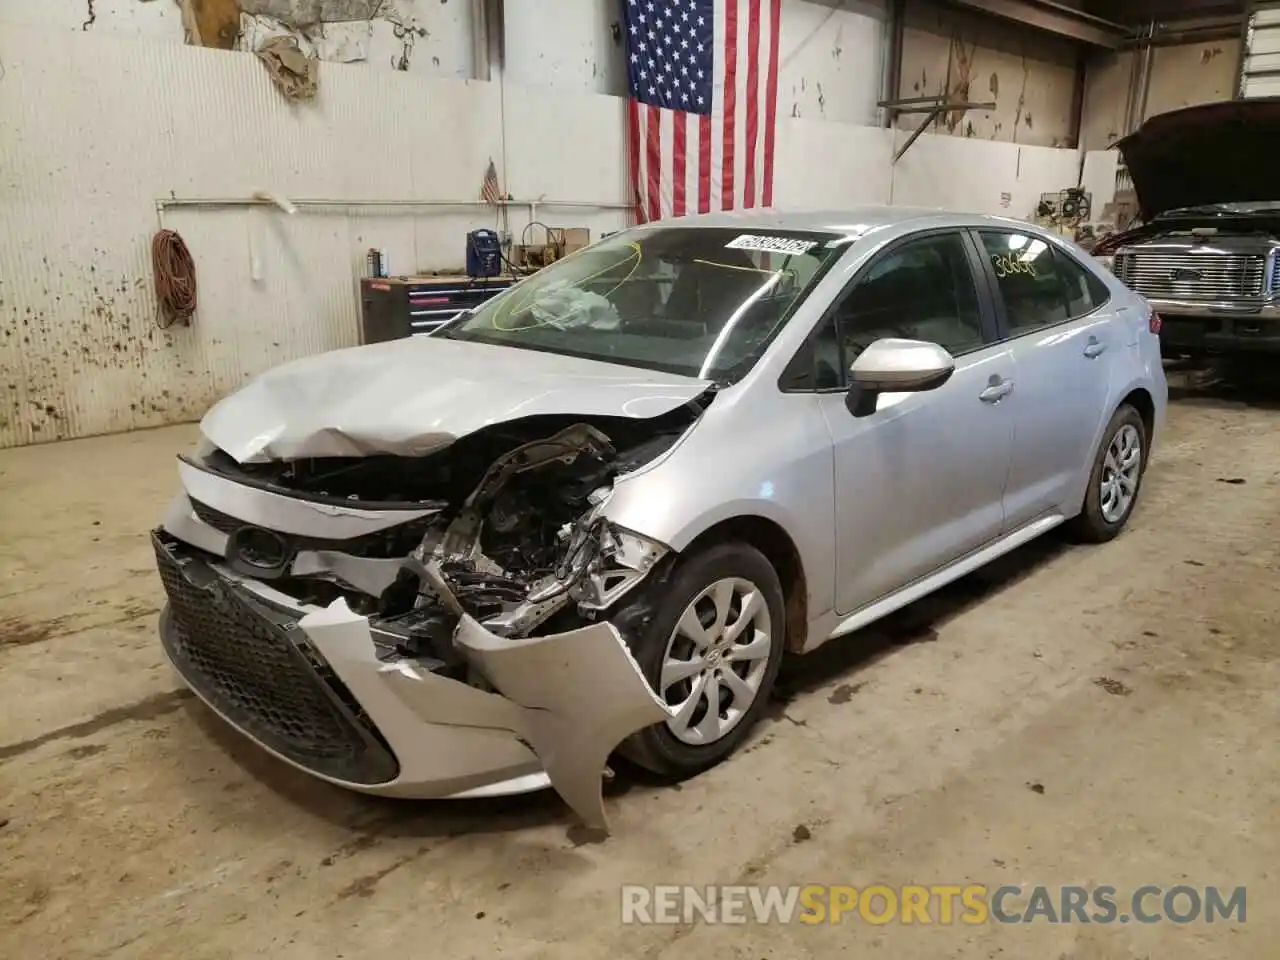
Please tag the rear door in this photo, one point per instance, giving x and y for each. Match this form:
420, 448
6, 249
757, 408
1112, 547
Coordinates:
1061, 326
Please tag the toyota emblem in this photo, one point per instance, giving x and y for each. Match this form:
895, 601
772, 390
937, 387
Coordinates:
263, 550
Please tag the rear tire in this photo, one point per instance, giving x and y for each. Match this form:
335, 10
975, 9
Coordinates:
721, 612
1115, 480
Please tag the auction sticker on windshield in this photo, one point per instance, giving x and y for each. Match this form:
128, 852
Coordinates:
771, 244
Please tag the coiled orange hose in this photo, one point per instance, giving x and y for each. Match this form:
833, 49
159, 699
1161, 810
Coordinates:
175, 274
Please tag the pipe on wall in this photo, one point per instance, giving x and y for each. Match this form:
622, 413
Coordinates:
895, 29
1135, 107
1144, 90
263, 199
1179, 32
1079, 81
480, 40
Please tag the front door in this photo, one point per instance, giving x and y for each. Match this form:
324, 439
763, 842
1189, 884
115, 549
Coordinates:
919, 482
1064, 335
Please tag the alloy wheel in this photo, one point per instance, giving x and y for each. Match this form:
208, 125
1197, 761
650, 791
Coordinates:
715, 660
1121, 471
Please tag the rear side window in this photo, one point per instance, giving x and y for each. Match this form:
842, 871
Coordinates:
1039, 285
1085, 292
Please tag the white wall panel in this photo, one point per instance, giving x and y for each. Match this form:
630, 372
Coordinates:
79, 350
831, 60
1098, 178
564, 45
978, 176
567, 146
821, 166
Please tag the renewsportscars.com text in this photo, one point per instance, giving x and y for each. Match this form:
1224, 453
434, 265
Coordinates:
935, 904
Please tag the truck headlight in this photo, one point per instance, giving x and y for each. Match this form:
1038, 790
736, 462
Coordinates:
1107, 261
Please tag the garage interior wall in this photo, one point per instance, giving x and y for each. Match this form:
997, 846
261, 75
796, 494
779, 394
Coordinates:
105, 110
1182, 75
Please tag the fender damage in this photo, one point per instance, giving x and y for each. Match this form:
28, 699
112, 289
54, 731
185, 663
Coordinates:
473, 585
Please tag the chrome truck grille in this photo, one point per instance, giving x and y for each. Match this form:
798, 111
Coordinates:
1192, 274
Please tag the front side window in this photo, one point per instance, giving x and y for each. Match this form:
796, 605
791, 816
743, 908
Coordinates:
921, 290
702, 302
1040, 286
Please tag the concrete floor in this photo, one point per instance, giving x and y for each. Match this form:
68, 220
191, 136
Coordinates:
135, 825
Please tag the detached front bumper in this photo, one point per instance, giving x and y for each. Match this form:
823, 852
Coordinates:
311, 685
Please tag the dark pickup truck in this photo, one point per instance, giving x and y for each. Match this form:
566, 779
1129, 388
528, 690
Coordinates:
1207, 179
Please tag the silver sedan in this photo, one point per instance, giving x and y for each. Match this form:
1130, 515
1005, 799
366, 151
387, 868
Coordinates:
592, 516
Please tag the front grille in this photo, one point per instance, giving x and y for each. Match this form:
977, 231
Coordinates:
390, 543
222, 522
1192, 275
259, 670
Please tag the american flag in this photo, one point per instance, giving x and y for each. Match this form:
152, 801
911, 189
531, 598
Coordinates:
490, 192
703, 82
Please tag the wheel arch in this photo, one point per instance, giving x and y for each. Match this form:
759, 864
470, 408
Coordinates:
1136, 396
1141, 400
777, 546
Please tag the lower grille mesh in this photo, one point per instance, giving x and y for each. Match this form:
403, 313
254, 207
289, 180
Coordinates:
265, 677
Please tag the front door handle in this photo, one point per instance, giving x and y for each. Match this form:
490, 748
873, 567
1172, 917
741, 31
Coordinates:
996, 391
1094, 348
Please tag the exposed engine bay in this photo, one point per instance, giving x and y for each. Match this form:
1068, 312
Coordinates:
506, 525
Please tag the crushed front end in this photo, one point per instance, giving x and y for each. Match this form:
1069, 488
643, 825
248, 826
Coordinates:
434, 626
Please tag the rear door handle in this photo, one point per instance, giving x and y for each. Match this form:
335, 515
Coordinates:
997, 391
1094, 348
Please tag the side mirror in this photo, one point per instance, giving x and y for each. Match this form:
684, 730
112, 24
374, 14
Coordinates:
896, 366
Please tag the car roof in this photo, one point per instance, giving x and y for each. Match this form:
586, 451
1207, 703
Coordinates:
850, 220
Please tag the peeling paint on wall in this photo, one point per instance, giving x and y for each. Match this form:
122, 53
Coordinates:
212, 23
305, 13
959, 73
965, 57
418, 36
1181, 76
830, 61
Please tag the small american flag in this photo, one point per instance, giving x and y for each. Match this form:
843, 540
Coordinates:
702, 76
490, 192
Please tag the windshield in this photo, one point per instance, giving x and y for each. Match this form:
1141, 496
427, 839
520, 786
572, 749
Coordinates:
702, 302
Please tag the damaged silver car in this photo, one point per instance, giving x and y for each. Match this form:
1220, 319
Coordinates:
591, 516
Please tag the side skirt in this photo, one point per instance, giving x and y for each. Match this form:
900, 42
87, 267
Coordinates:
825, 629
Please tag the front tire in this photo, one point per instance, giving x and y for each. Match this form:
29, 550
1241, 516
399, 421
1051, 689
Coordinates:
1116, 478
711, 650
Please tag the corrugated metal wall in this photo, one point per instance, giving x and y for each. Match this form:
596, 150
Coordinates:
94, 130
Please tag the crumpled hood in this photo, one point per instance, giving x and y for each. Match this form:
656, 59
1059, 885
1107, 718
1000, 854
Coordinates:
410, 397
1215, 153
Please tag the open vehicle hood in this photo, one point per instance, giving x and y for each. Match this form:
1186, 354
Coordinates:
1222, 152
410, 397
